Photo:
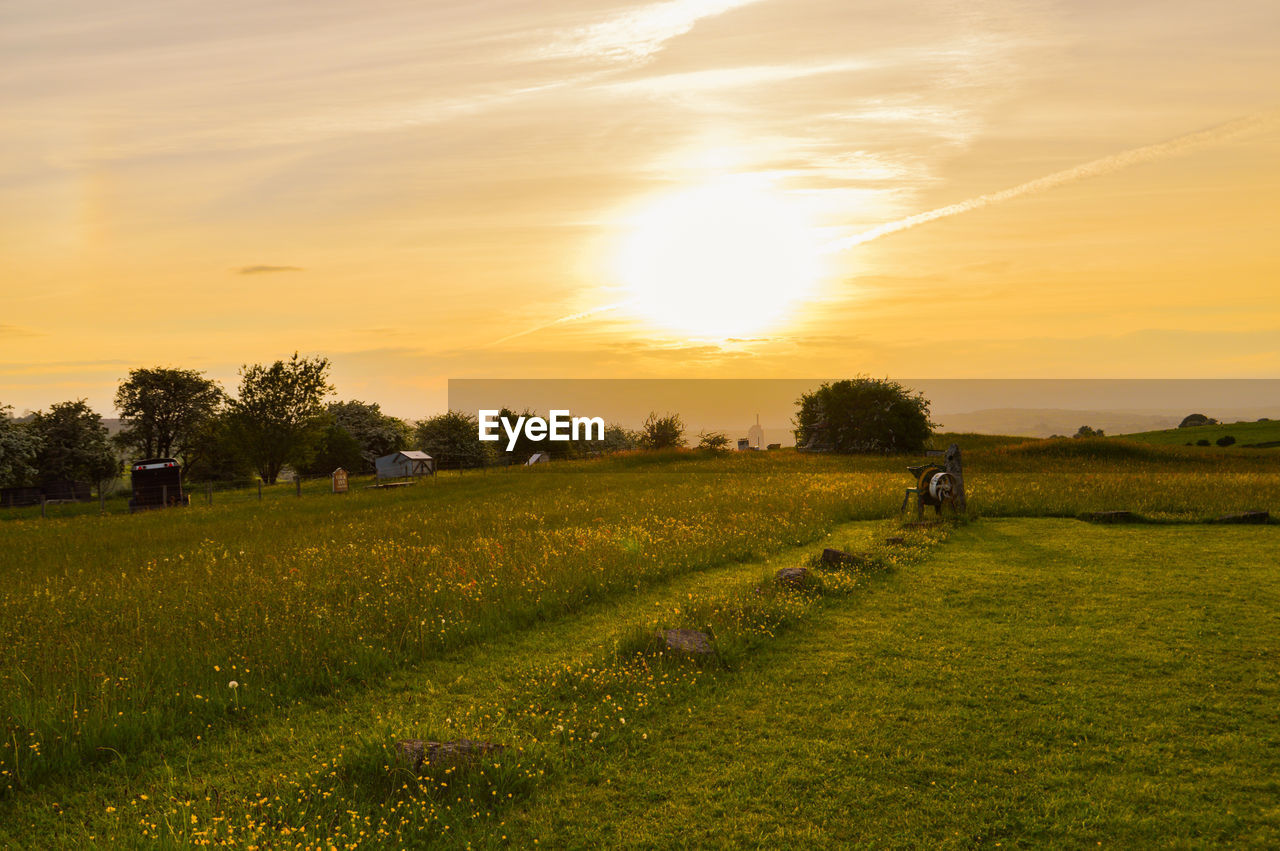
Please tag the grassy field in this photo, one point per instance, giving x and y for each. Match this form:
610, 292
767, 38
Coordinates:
517, 608
1245, 433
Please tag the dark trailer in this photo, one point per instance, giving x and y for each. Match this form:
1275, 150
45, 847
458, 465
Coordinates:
157, 482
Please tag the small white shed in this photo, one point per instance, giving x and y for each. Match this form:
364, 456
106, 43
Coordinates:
404, 465
538, 458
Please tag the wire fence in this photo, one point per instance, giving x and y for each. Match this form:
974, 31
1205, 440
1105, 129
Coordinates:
120, 497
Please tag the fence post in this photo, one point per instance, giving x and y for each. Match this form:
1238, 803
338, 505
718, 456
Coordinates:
102, 501
164, 495
297, 480
208, 493
259, 490
43, 510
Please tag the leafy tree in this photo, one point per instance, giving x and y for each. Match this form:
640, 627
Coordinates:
524, 447
452, 439
1193, 420
716, 441
337, 448
358, 433
1225, 440
19, 446
618, 439
1087, 431
73, 445
214, 452
662, 432
162, 409
863, 415
279, 415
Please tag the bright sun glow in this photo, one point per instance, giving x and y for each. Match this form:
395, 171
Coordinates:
722, 260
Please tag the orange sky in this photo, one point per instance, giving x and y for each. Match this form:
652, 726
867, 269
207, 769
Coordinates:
400, 186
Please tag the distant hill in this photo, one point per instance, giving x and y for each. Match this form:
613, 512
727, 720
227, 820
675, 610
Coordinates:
1246, 434
1043, 422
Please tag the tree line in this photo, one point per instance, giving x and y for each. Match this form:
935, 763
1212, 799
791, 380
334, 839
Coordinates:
278, 418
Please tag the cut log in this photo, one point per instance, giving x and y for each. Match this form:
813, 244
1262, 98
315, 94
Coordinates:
413, 753
896, 540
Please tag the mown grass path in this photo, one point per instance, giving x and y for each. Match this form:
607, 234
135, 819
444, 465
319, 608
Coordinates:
1036, 683
227, 770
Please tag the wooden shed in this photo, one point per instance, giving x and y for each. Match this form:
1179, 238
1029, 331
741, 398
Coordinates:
408, 464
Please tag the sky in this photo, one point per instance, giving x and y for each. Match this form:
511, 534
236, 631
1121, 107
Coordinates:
682, 188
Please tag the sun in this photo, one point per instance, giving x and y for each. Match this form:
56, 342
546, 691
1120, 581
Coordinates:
721, 260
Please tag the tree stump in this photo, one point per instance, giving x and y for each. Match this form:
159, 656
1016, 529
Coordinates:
896, 540
688, 641
839, 558
793, 577
413, 753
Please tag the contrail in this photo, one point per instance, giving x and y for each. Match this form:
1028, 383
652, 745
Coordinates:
1095, 168
570, 318
1106, 165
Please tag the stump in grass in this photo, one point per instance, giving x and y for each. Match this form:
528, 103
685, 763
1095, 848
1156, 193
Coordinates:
1246, 517
793, 577
896, 540
413, 753
688, 641
839, 558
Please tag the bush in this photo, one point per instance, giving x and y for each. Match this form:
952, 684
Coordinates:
1226, 440
1204, 441
863, 415
1193, 420
716, 441
662, 432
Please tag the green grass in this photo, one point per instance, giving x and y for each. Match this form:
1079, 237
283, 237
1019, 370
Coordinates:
1036, 683
1245, 433
483, 605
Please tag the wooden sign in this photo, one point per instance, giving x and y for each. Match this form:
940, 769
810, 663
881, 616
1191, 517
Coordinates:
339, 480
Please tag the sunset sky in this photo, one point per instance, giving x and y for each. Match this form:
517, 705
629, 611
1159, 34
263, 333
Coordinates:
420, 190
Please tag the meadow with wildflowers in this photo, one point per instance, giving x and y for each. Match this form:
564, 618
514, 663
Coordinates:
238, 673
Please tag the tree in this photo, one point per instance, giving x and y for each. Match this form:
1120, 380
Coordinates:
452, 439
1193, 420
863, 415
617, 439
1087, 431
73, 445
162, 409
214, 452
358, 433
716, 441
19, 446
279, 415
662, 432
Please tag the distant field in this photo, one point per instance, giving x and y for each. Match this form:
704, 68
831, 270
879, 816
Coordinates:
120, 635
1244, 433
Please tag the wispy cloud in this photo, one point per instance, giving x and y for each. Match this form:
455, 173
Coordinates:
264, 269
19, 331
638, 33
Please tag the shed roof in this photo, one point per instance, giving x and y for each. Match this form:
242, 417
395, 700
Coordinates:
415, 455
